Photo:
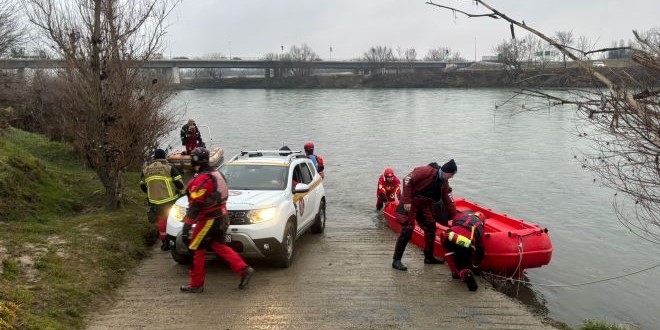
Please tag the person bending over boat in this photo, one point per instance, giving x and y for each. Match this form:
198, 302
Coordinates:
191, 138
424, 186
316, 159
464, 248
389, 188
163, 184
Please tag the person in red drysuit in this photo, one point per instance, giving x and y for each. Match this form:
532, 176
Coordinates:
464, 247
389, 188
207, 197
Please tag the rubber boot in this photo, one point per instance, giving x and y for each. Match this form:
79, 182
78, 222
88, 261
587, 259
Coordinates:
467, 277
449, 259
245, 277
429, 240
192, 289
397, 264
400, 247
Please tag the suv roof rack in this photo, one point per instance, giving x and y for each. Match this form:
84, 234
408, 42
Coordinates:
289, 154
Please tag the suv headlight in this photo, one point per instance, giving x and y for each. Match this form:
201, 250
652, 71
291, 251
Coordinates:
177, 212
261, 215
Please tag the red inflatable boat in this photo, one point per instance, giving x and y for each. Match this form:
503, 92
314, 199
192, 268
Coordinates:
512, 245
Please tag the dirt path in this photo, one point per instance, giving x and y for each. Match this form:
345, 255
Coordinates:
339, 280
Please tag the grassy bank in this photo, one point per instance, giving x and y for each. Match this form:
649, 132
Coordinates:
61, 252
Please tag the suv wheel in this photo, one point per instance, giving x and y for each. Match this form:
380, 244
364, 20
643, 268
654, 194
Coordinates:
181, 259
288, 243
319, 225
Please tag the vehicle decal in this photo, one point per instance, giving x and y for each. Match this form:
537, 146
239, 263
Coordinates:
301, 207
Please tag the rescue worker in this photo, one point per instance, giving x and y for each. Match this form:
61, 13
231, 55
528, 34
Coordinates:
464, 248
389, 188
207, 196
190, 136
316, 159
162, 183
424, 186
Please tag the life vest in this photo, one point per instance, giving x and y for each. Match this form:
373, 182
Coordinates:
315, 161
160, 183
462, 231
221, 193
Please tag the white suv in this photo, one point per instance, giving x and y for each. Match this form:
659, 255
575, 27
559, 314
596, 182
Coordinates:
267, 212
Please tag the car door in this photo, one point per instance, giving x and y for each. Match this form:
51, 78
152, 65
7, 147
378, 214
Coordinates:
303, 201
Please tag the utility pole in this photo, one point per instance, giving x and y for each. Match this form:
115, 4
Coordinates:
475, 49
230, 50
330, 52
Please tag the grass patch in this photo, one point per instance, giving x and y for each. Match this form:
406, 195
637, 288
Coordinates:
61, 252
599, 325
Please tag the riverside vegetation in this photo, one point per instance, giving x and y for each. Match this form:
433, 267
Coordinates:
61, 252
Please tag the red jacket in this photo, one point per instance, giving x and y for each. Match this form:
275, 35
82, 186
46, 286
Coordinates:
423, 186
207, 195
389, 189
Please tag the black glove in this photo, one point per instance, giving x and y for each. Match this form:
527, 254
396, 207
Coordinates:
476, 270
185, 234
383, 198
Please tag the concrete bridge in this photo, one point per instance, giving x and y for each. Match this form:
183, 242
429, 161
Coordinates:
272, 68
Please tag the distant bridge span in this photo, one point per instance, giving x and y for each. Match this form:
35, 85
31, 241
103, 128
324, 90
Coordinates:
271, 68
240, 64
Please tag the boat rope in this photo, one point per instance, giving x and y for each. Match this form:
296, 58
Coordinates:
520, 252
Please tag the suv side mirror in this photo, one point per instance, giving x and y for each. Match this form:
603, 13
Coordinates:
301, 188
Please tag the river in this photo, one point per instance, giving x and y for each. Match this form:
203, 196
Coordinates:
515, 162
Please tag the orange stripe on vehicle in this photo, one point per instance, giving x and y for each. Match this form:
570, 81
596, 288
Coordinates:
313, 186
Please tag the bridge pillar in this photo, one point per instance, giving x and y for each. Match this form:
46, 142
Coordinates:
20, 74
267, 73
173, 74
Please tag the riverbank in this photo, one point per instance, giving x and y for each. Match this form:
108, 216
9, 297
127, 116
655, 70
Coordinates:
61, 252
550, 78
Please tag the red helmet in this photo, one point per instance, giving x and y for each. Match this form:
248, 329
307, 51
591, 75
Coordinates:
389, 172
479, 215
309, 146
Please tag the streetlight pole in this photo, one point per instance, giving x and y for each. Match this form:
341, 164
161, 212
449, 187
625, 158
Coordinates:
330, 52
475, 49
230, 49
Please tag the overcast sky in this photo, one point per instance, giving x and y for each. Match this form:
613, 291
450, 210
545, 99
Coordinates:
252, 28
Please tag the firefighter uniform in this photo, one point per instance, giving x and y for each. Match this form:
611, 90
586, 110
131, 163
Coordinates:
163, 183
389, 188
464, 248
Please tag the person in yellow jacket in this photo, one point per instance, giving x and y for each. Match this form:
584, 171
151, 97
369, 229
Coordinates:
163, 184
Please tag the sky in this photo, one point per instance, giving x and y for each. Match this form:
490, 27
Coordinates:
253, 28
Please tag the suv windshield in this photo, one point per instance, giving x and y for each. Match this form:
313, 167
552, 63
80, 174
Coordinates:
255, 176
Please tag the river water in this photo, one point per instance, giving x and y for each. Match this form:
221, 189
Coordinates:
515, 162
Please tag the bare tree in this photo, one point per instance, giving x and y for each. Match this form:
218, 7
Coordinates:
115, 111
11, 30
379, 57
566, 39
300, 56
624, 121
443, 54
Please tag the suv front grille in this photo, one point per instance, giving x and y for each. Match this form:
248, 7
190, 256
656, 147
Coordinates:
238, 218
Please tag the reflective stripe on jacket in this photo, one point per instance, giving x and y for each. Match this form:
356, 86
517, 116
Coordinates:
160, 183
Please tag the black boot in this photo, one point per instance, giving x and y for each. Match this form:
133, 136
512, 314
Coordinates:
165, 245
397, 264
192, 289
401, 243
245, 277
430, 259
